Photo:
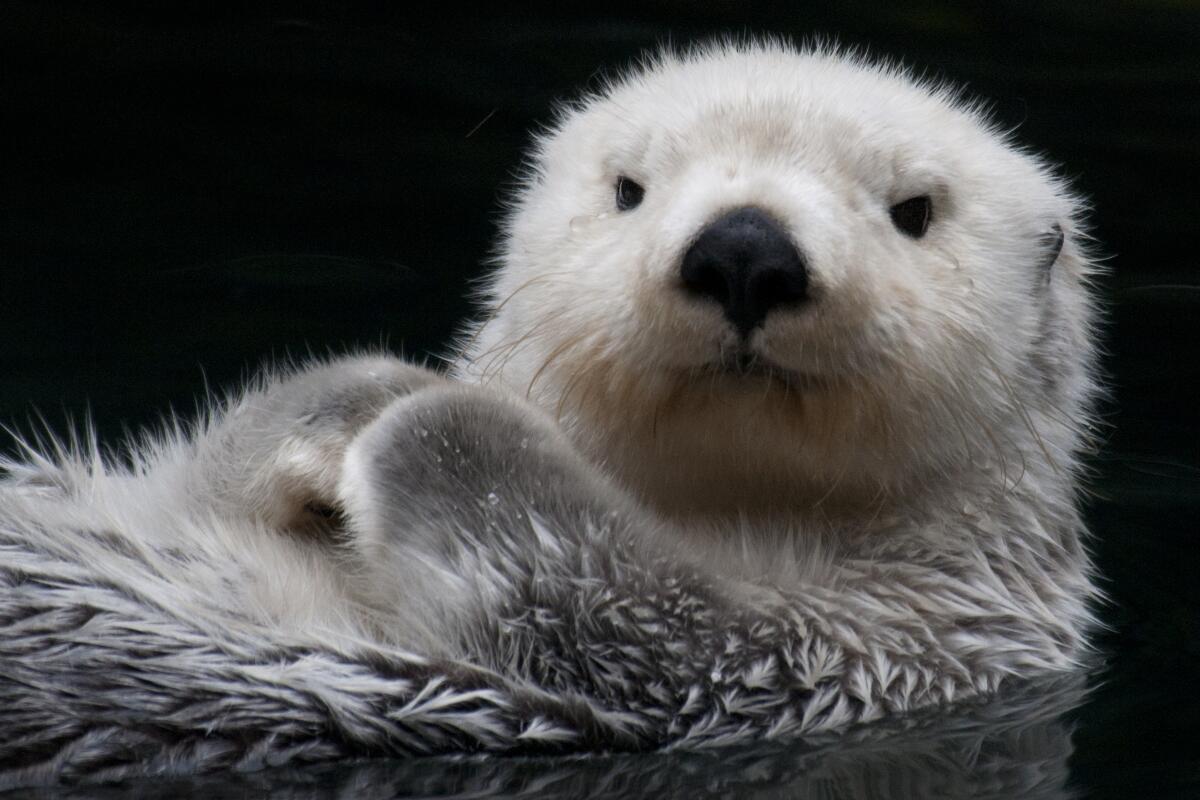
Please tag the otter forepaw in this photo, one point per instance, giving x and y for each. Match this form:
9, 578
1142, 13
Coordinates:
278, 453
461, 442
454, 461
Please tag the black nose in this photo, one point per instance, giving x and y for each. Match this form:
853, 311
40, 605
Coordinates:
745, 261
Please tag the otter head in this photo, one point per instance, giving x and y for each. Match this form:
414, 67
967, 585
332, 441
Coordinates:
750, 278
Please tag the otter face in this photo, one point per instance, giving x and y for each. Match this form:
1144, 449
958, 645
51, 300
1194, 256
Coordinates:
754, 277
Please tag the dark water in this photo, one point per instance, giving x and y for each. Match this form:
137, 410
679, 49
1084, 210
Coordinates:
187, 193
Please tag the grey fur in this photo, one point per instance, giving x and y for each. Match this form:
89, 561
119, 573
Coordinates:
1016, 746
566, 629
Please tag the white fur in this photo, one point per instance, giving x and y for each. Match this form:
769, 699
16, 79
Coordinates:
921, 347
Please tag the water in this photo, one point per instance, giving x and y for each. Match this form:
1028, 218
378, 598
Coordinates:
193, 194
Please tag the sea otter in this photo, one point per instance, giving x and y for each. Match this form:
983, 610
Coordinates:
771, 424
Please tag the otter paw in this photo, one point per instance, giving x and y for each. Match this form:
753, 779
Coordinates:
277, 453
444, 441
455, 460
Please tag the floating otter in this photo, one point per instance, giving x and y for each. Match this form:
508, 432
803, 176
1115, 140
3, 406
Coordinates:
771, 425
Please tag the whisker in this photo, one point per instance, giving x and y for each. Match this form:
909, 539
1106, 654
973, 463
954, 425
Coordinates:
1018, 404
502, 354
494, 311
555, 354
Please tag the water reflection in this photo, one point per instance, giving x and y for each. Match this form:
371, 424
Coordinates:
1015, 745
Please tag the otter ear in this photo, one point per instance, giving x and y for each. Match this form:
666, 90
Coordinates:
1052, 244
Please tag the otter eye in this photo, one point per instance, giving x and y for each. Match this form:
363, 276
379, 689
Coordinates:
629, 193
912, 216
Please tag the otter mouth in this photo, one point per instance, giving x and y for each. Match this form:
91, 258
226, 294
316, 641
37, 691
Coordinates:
747, 366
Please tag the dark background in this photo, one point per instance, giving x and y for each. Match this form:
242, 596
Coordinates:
187, 192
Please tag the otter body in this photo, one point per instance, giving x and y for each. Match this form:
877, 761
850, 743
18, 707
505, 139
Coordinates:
771, 425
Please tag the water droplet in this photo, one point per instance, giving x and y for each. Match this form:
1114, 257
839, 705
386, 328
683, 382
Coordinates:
524, 442
424, 433
493, 499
